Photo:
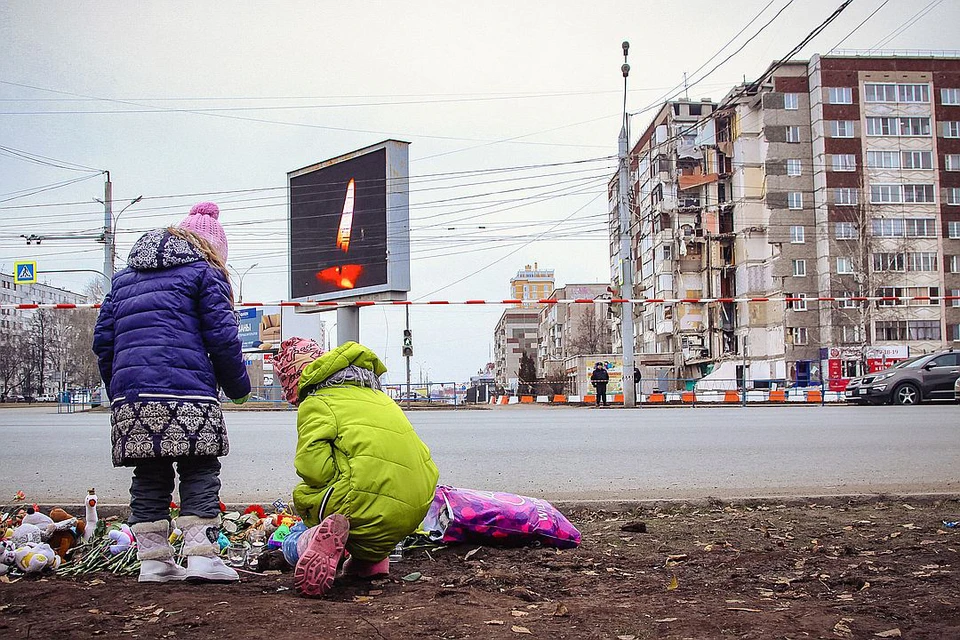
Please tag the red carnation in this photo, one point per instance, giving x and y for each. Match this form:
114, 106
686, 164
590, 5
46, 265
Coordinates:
257, 509
173, 505
223, 508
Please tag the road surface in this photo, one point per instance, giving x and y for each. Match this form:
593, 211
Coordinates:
553, 452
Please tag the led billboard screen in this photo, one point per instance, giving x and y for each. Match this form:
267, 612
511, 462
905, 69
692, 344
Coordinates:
349, 233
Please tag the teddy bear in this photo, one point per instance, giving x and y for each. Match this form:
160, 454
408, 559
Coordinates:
34, 558
59, 529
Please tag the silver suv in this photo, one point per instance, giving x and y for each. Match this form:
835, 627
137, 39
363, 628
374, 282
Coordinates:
927, 377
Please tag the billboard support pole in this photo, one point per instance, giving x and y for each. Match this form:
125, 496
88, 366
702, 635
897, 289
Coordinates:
348, 324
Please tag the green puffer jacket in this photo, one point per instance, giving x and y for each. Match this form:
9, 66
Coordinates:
355, 440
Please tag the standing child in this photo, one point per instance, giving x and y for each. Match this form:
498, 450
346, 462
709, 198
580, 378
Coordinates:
367, 479
166, 339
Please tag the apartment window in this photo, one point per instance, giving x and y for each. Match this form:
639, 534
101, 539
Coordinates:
920, 227
791, 101
923, 329
841, 128
796, 235
913, 93
951, 162
888, 262
951, 129
877, 92
952, 263
873, 92
668, 252
932, 293
847, 301
799, 303
953, 330
844, 266
955, 294
793, 134
844, 231
918, 193
839, 95
891, 330
914, 126
795, 200
883, 159
798, 335
896, 193
849, 334
950, 96
893, 295
953, 229
846, 196
916, 159
953, 195
844, 162
794, 167
922, 261
799, 268
882, 127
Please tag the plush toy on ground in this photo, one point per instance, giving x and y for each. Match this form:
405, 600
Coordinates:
34, 558
122, 538
59, 529
92, 518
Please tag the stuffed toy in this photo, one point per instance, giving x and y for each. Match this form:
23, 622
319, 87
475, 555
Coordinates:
91, 515
67, 531
122, 538
34, 558
27, 534
276, 540
7, 557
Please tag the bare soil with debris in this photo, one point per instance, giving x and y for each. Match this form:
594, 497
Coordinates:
837, 568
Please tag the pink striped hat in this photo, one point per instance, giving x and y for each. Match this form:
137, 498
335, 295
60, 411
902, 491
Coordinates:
292, 358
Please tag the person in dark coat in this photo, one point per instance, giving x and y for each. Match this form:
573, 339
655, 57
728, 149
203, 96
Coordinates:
599, 378
166, 339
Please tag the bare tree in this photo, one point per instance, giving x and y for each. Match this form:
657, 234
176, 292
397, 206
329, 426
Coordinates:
591, 334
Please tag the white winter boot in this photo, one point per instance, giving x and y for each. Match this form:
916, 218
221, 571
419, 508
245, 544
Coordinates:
155, 553
202, 551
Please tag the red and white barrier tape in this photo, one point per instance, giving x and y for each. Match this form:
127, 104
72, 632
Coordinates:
543, 301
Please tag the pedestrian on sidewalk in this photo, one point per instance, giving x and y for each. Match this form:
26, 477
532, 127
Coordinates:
367, 479
599, 378
165, 340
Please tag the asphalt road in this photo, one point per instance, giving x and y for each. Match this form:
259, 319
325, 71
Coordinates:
554, 452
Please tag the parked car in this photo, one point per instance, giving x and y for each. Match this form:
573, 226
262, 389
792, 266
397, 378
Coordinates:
928, 377
47, 397
956, 390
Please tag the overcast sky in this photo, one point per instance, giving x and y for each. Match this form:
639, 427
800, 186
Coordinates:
188, 101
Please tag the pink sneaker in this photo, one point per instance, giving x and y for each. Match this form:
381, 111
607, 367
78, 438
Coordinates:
364, 569
320, 555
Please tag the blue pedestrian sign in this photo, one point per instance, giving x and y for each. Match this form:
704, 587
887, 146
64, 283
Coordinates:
25, 272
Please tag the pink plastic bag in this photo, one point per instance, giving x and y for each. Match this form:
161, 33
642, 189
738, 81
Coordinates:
467, 515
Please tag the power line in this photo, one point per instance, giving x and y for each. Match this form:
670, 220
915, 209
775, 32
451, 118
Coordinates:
36, 158
857, 28
906, 25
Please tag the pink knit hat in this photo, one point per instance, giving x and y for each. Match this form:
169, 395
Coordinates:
202, 220
292, 358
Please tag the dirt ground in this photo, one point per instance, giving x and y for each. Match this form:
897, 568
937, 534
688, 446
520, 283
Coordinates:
878, 567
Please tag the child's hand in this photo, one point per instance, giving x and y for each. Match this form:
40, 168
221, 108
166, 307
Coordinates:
241, 400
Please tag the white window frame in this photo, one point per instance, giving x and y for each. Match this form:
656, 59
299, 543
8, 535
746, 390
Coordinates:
920, 227
794, 167
846, 196
799, 335
844, 265
796, 305
844, 162
907, 92
949, 96
792, 133
795, 200
845, 226
954, 263
841, 128
923, 121
797, 234
922, 261
875, 126
901, 193
883, 160
910, 192
799, 268
846, 302
951, 128
955, 294
791, 101
908, 160
888, 89
953, 229
951, 162
953, 195
839, 95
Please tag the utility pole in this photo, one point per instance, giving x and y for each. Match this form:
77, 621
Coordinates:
626, 260
108, 232
408, 354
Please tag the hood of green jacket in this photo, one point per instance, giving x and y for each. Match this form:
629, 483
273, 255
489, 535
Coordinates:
347, 354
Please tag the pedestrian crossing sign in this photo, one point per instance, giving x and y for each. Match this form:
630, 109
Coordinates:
25, 272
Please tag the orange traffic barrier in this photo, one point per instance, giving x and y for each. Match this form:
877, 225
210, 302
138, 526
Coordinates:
589, 398
778, 395
814, 395
559, 398
656, 397
504, 399
526, 399
688, 396
731, 396
618, 398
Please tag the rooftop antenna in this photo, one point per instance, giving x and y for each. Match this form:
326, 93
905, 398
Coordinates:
686, 96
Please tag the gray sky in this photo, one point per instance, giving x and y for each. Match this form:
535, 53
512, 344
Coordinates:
123, 86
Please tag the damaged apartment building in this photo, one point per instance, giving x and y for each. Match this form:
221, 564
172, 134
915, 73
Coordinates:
837, 177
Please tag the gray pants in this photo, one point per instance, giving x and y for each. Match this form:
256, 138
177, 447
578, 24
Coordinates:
152, 488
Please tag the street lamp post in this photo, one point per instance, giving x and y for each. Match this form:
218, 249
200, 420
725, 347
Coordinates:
240, 277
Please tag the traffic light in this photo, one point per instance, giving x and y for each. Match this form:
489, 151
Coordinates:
407, 343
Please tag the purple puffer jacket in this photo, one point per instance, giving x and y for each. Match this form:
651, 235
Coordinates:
168, 310
165, 340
